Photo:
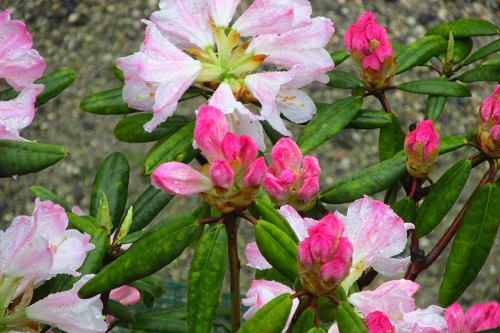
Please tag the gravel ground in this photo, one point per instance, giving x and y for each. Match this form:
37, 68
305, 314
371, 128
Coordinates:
89, 35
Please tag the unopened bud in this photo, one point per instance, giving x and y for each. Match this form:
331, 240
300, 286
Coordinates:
421, 147
488, 132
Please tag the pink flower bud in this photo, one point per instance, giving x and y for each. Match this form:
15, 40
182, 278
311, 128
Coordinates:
488, 133
253, 175
378, 322
421, 147
371, 50
291, 179
324, 257
221, 174
179, 178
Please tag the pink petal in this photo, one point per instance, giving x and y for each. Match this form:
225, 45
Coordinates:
274, 187
255, 257
230, 147
71, 253
266, 17
455, 318
286, 155
248, 150
254, 174
126, 295
377, 322
221, 174
211, 128
179, 178
428, 320
299, 225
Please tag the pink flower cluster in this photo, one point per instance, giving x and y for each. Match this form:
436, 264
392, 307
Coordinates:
368, 44
20, 66
488, 133
33, 250
421, 147
291, 179
233, 175
479, 317
280, 33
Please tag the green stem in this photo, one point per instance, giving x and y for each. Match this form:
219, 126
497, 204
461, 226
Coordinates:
231, 224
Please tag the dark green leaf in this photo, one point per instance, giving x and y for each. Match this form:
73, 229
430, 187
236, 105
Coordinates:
344, 80
111, 179
348, 320
131, 129
369, 119
178, 147
472, 243
271, 215
144, 257
120, 311
493, 61
434, 107
442, 197
83, 223
271, 318
483, 52
390, 139
339, 57
483, 73
206, 276
368, 181
435, 87
450, 143
305, 322
465, 27
46, 194
21, 158
330, 119
150, 288
158, 321
106, 103
419, 52
406, 209
118, 73
278, 249
148, 206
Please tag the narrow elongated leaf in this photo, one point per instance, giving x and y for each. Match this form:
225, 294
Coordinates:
434, 107
144, 257
54, 84
482, 73
158, 321
466, 27
21, 158
462, 48
419, 52
150, 288
472, 243
178, 147
106, 103
305, 322
483, 52
148, 206
271, 215
112, 179
131, 129
271, 318
442, 196
349, 321
46, 194
493, 61
368, 181
83, 223
120, 311
435, 87
450, 143
369, 119
390, 139
206, 276
406, 209
339, 57
344, 80
329, 120
278, 249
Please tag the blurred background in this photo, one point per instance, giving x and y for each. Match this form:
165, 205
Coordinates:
89, 35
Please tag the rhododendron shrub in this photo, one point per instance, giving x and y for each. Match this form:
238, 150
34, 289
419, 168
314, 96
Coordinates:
251, 151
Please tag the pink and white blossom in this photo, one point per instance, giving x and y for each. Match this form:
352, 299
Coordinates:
66, 311
377, 235
262, 292
479, 317
292, 179
20, 64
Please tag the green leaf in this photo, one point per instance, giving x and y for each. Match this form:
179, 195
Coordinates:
419, 52
120, 311
339, 57
272, 274
434, 107
369, 119
278, 249
83, 223
21, 158
406, 209
330, 119
271, 215
54, 84
131, 129
343, 80
450, 143
465, 27
435, 87
483, 52
368, 181
206, 276
158, 321
390, 139
483, 73
145, 257
178, 147
349, 321
94, 259
148, 206
441, 198
150, 288
106, 103
112, 179
472, 243
305, 322
463, 47
46, 194
271, 318
493, 61
118, 73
